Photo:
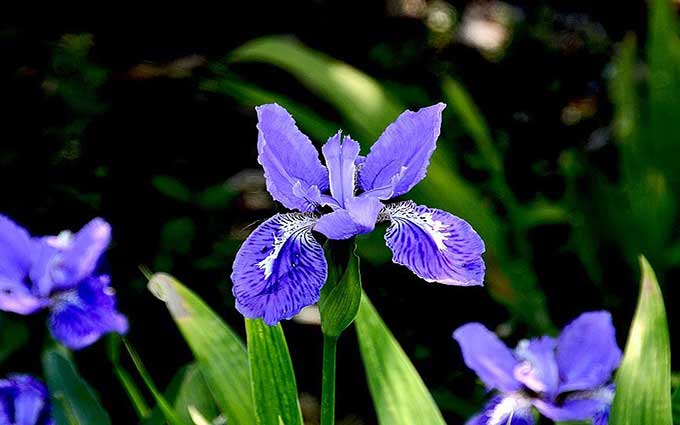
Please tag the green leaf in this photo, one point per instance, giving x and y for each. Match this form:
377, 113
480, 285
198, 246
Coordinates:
308, 120
367, 106
219, 352
341, 295
166, 409
193, 394
216, 197
643, 382
74, 402
187, 390
172, 188
676, 406
399, 394
663, 54
134, 394
272, 374
473, 121
13, 336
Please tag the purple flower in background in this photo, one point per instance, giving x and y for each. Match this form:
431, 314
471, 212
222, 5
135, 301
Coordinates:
281, 266
24, 401
59, 273
565, 379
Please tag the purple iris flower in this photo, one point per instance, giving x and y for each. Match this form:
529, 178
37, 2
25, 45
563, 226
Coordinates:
59, 273
281, 266
24, 401
566, 378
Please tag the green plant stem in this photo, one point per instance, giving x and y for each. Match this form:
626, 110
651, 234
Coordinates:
330, 345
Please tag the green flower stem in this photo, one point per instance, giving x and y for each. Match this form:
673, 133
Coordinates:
330, 345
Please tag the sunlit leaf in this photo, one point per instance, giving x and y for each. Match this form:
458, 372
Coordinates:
361, 99
643, 382
399, 394
309, 121
74, 402
219, 352
273, 377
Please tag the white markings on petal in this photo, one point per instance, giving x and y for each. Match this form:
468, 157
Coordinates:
290, 227
435, 245
279, 269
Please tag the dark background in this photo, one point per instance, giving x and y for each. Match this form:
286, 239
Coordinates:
93, 144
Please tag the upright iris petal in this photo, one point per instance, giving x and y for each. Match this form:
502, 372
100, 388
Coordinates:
435, 245
24, 401
538, 368
587, 352
400, 157
292, 169
279, 269
484, 353
15, 263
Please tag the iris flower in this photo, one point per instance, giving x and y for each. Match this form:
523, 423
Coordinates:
281, 266
24, 401
566, 379
59, 273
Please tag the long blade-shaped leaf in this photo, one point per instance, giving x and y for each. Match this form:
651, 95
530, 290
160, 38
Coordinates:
309, 121
271, 370
399, 394
165, 407
74, 402
219, 352
676, 407
643, 382
663, 53
368, 107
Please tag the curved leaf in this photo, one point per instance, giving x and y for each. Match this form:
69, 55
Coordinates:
399, 394
271, 370
643, 382
219, 352
74, 402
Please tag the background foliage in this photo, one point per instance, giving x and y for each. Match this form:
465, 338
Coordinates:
559, 144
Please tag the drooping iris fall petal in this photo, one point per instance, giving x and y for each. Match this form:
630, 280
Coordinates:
279, 269
435, 245
79, 317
